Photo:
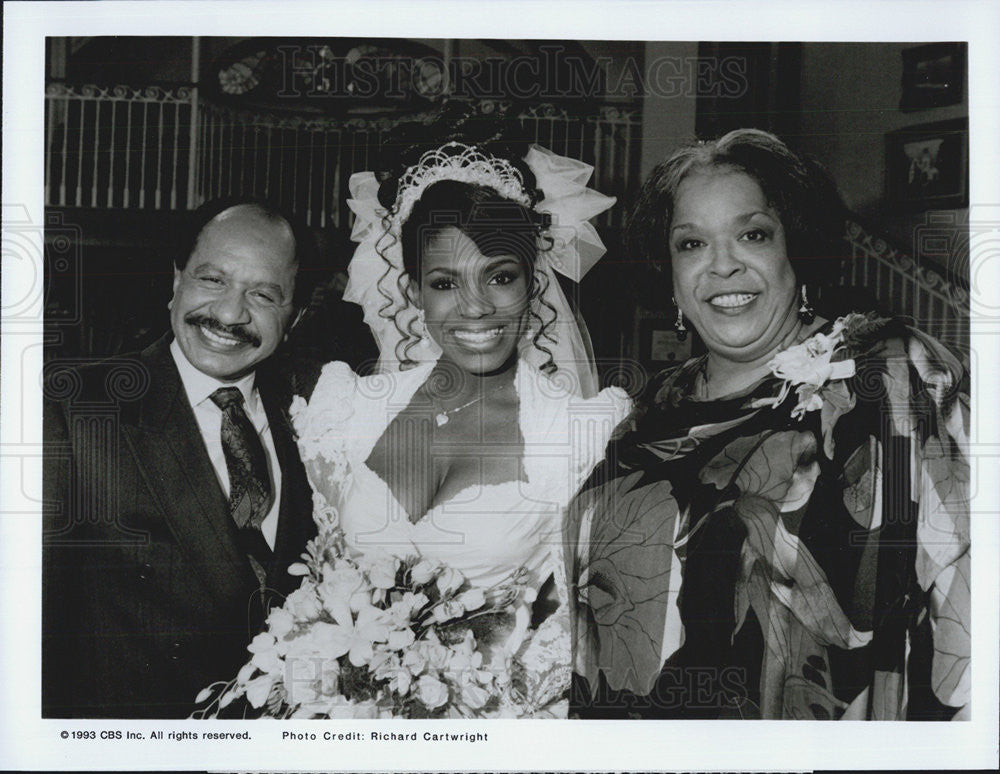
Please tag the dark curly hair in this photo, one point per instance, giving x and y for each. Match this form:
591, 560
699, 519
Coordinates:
496, 225
805, 198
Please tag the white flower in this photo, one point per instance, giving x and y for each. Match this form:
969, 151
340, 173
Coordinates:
431, 691
334, 640
446, 611
473, 599
267, 661
415, 601
468, 643
401, 681
449, 580
342, 591
381, 568
465, 660
280, 622
799, 365
262, 642
422, 572
265, 654
245, 673
401, 638
808, 402
809, 366
400, 678
414, 661
303, 604
204, 693
258, 690
371, 627
401, 611
322, 640
382, 662
474, 696
435, 653
229, 696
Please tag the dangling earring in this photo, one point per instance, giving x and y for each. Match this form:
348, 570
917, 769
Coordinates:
806, 313
682, 332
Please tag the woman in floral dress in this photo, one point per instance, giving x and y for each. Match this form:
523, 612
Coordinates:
780, 529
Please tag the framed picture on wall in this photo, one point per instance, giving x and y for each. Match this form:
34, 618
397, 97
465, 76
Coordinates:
927, 166
659, 346
933, 76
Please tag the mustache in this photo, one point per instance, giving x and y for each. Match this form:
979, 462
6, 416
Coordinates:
239, 332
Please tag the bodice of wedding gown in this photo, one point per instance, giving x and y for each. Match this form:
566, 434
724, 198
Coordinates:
487, 532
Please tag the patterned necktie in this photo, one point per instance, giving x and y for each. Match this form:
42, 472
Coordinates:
249, 484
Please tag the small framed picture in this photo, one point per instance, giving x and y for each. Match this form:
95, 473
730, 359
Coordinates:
659, 345
927, 166
933, 76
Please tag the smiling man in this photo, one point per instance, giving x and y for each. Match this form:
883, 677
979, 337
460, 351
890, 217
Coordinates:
177, 502
233, 294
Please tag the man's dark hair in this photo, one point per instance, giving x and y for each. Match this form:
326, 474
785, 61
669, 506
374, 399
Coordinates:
305, 243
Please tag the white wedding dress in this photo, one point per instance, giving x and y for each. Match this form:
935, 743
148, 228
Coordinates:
488, 532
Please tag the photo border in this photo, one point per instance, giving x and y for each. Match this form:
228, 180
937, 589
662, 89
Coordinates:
27, 742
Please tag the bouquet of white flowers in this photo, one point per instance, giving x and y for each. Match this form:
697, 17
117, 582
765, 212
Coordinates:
380, 636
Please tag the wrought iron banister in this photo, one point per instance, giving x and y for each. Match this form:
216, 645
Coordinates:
305, 162
132, 147
117, 146
937, 305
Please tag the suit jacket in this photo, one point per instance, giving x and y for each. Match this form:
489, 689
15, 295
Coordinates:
146, 596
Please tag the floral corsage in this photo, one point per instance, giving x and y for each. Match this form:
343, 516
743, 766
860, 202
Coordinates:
810, 368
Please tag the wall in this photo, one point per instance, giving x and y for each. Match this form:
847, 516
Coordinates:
850, 99
667, 119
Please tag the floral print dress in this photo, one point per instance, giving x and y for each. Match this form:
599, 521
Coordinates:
798, 550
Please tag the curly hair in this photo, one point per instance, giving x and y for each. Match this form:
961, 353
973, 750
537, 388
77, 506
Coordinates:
495, 224
801, 192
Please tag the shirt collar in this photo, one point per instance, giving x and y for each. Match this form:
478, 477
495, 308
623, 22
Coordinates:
200, 386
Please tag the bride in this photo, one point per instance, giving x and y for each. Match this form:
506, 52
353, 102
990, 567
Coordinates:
483, 418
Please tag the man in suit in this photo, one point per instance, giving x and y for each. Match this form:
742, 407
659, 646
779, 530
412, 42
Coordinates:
175, 495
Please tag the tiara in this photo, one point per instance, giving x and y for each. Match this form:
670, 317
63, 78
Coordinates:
464, 163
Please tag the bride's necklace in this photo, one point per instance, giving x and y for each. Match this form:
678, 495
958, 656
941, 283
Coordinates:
443, 416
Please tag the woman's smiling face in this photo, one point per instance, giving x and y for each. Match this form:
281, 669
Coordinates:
731, 274
475, 306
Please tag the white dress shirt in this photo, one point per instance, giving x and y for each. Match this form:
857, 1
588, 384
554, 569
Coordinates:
199, 388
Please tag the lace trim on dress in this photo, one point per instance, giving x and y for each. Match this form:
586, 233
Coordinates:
319, 424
